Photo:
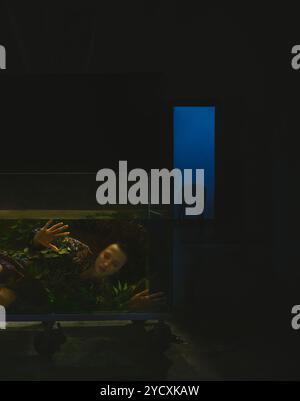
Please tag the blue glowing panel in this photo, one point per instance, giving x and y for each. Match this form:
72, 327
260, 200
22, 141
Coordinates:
194, 146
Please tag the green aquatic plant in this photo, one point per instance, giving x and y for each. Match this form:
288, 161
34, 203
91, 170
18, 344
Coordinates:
122, 293
16, 231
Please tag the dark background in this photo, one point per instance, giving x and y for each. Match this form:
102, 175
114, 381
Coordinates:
81, 123
237, 276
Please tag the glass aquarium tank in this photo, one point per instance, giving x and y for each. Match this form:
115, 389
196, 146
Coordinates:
85, 264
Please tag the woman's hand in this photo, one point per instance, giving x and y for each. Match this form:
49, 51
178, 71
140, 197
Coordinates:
143, 300
7, 297
46, 235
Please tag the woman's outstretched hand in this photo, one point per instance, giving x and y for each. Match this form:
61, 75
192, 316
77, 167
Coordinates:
47, 234
144, 300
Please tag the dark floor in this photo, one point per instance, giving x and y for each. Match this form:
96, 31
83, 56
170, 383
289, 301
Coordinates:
122, 350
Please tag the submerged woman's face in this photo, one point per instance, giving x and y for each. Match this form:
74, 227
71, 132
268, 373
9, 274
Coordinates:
110, 260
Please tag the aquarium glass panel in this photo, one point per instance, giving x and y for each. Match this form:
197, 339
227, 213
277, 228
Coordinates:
83, 262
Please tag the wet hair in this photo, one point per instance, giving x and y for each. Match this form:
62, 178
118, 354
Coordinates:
124, 247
